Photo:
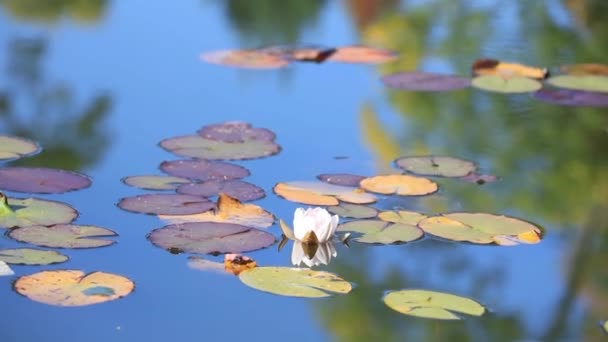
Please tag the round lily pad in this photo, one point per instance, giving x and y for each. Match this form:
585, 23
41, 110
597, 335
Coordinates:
41, 180
425, 81
31, 256
243, 191
343, 179
235, 132
154, 182
381, 232
166, 204
362, 54
565, 97
14, 147
585, 69
580, 82
210, 238
73, 287
512, 85
64, 236
319, 193
355, 211
400, 185
203, 170
295, 282
402, 216
196, 146
250, 59
436, 166
493, 67
432, 304
25, 212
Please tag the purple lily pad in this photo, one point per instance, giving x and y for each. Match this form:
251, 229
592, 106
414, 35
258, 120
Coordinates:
210, 238
479, 178
166, 204
41, 180
243, 191
195, 146
344, 179
203, 170
565, 97
235, 132
425, 81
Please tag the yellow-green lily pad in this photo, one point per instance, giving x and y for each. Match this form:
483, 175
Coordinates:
31, 256
381, 232
64, 236
155, 182
403, 185
432, 304
12, 148
25, 212
436, 166
356, 211
195, 146
295, 282
402, 216
580, 82
499, 84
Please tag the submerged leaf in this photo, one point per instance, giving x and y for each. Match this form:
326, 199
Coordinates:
400, 185
432, 304
436, 166
41, 180
31, 256
195, 146
14, 147
319, 193
64, 236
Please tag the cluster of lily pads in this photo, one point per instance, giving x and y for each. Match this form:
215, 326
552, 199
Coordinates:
50, 224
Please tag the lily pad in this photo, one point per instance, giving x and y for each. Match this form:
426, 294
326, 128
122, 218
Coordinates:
73, 287
195, 146
381, 232
229, 210
478, 228
432, 304
511, 85
436, 166
582, 82
295, 282
565, 97
362, 54
605, 326
319, 193
493, 67
343, 179
425, 81
585, 69
235, 132
153, 182
31, 256
314, 54
355, 211
166, 204
250, 59
5, 269
64, 236
41, 180
243, 191
479, 178
400, 185
24, 212
203, 170
210, 238
402, 216
14, 147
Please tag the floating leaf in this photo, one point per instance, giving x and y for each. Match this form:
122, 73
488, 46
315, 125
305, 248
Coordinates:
154, 182
565, 97
301, 54
582, 82
319, 193
73, 287
210, 238
203, 170
243, 191
362, 54
586, 69
295, 282
251, 59
355, 211
18, 212
400, 185
235, 132
530, 237
31, 256
201, 264
41, 180
229, 210
479, 178
511, 85
436, 166
605, 326
425, 81
236, 263
5, 270
166, 204
402, 216
478, 227
14, 147
343, 179
375, 231
493, 67
64, 236
432, 304
196, 146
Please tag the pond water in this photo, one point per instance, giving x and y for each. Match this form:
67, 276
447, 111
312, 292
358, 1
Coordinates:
98, 84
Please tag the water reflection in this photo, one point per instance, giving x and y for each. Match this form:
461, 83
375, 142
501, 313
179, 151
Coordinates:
45, 11
312, 254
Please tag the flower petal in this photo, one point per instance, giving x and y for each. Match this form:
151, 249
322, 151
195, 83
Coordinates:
297, 253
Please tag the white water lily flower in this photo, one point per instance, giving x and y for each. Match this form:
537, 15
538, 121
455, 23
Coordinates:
321, 253
317, 220
5, 270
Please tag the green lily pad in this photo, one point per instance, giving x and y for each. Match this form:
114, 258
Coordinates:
195, 146
436, 166
31, 256
402, 216
295, 282
605, 326
64, 236
14, 147
154, 182
512, 85
25, 212
355, 211
432, 304
580, 82
481, 228
381, 232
